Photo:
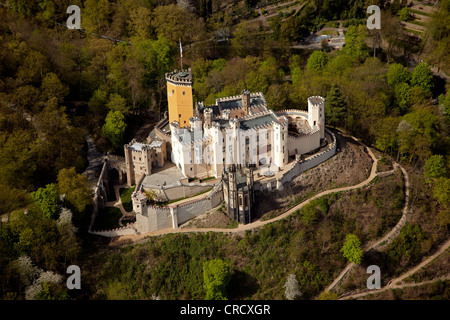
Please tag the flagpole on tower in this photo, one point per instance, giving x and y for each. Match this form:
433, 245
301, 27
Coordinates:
181, 54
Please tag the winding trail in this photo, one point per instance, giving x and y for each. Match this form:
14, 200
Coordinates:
397, 283
384, 241
258, 223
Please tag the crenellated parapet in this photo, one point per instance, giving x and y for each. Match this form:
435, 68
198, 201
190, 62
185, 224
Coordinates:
180, 77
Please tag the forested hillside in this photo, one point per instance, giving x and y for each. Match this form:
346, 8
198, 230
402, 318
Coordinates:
58, 85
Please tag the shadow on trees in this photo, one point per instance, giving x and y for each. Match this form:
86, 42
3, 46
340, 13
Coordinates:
242, 285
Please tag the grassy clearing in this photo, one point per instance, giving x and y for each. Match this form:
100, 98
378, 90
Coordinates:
419, 33
422, 13
419, 23
125, 196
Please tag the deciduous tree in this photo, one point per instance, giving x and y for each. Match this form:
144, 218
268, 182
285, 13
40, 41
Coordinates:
114, 128
352, 249
75, 188
216, 276
317, 61
47, 200
422, 77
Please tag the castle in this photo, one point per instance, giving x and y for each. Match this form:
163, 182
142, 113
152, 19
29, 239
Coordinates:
229, 140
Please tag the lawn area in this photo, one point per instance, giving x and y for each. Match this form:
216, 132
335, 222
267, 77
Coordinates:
414, 31
125, 196
107, 218
422, 13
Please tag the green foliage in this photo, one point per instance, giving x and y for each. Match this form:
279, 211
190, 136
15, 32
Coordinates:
27, 8
52, 87
441, 191
335, 106
98, 102
216, 276
328, 295
404, 14
406, 249
355, 44
422, 77
352, 249
96, 15
397, 74
125, 197
317, 61
117, 103
402, 95
386, 139
114, 128
339, 64
188, 28
75, 188
311, 212
291, 29
418, 134
435, 167
47, 200
445, 102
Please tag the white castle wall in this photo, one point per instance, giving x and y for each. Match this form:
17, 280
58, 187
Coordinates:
155, 218
303, 144
192, 209
127, 230
299, 167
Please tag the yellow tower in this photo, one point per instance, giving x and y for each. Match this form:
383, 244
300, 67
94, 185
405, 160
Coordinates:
179, 96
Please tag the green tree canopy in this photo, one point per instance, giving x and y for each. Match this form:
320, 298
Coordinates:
117, 103
397, 74
403, 14
216, 276
47, 200
114, 128
422, 77
174, 23
52, 87
435, 167
402, 93
355, 44
352, 248
441, 191
75, 188
317, 61
335, 106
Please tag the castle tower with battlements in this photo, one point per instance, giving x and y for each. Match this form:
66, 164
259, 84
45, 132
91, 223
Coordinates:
316, 114
179, 96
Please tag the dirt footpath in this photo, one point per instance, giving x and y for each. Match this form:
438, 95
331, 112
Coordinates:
348, 167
